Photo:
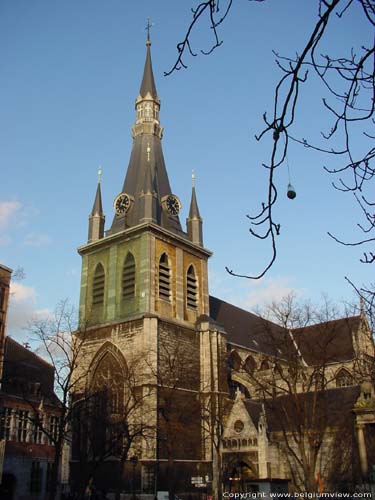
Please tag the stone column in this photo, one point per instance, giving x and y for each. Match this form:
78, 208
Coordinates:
362, 449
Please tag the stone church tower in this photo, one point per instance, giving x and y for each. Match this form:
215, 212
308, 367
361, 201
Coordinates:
144, 316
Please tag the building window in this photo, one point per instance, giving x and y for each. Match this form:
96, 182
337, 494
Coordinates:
128, 277
22, 424
344, 378
6, 420
164, 278
191, 288
238, 426
264, 366
36, 475
98, 285
249, 365
53, 429
38, 433
234, 361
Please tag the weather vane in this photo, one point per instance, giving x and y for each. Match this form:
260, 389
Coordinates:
148, 27
192, 178
99, 173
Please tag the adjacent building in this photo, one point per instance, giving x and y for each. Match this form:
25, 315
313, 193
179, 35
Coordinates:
29, 416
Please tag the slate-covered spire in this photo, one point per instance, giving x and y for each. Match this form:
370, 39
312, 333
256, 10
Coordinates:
149, 194
194, 221
147, 163
147, 104
97, 218
148, 82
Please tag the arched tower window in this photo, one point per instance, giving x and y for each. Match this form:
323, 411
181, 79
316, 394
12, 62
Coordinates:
191, 288
98, 285
128, 277
164, 278
344, 378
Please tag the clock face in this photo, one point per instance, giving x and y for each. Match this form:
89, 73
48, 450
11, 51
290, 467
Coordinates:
173, 204
121, 204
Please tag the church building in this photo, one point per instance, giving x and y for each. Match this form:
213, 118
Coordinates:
167, 398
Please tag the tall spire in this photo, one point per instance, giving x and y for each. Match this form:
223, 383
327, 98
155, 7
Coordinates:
97, 218
146, 180
194, 221
148, 82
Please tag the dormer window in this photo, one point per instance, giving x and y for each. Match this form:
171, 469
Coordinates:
164, 278
140, 111
148, 111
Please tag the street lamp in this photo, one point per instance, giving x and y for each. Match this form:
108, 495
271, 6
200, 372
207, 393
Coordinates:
133, 461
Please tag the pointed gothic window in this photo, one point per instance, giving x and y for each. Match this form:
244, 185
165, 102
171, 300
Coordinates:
234, 360
164, 278
128, 277
344, 378
264, 366
249, 365
191, 288
98, 285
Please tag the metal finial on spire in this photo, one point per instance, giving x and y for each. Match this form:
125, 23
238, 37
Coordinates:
192, 178
99, 174
148, 27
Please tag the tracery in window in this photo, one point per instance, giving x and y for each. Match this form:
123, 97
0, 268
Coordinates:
164, 278
344, 378
108, 382
128, 277
98, 285
191, 288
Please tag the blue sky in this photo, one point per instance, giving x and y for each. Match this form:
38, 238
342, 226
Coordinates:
70, 74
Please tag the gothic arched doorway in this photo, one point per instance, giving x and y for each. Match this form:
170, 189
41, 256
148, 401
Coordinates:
238, 474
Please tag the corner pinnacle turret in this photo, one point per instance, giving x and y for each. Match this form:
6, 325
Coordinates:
194, 221
97, 217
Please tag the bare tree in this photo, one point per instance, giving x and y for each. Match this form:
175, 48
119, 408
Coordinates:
348, 89
109, 422
57, 344
293, 386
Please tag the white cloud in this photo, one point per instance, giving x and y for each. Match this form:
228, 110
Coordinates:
8, 210
22, 293
265, 291
37, 239
22, 310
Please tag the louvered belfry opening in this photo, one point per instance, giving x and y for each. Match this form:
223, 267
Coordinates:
128, 277
98, 285
164, 278
191, 288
